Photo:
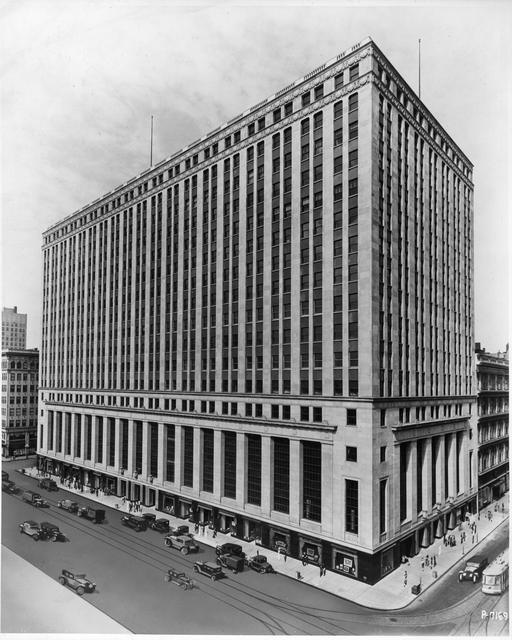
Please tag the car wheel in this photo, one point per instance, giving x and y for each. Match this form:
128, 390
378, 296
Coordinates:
54, 538
59, 505
80, 591
246, 562
62, 580
460, 578
263, 571
94, 521
167, 579
218, 561
213, 578
80, 515
235, 570
475, 578
183, 586
21, 530
184, 551
167, 543
35, 538
137, 529
195, 569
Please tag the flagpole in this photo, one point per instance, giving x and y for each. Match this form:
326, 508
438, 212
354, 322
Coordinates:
419, 68
151, 151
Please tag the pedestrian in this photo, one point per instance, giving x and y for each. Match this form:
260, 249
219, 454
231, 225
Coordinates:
304, 561
214, 532
130, 506
124, 499
434, 561
422, 564
196, 528
206, 532
97, 492
440, 549
503, 508
405, 578
321, 570
427, 561
473, 539
285, 555
495, 507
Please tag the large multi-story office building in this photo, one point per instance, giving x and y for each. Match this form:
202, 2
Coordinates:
492, 371
20, 373
14, 329
272, 329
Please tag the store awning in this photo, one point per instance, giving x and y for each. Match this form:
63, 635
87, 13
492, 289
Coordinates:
226, 513
186, 501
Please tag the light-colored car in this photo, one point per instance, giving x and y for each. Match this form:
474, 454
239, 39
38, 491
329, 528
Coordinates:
179, 578
31, 528
77, 581
185, 544
68, 505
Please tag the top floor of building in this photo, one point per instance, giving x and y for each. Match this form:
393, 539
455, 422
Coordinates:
361, 64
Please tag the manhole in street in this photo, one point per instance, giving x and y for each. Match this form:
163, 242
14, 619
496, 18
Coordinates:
393, 619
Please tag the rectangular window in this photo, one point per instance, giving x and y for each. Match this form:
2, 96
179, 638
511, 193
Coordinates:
124, 444
383, 490
352, 506
229, 464
88, 437
312, 480
111, 435
351, 454
207, 482
138, 446
281, 475
354, 72
153, 449
352, 417
99, 439
188, 456
170, 452
254, 469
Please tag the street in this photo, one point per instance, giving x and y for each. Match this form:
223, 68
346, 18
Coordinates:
129, 569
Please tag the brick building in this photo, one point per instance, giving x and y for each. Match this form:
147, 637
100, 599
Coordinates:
14, 329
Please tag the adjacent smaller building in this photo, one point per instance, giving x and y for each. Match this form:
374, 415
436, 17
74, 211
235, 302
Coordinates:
14, 329
20, 383
493, 468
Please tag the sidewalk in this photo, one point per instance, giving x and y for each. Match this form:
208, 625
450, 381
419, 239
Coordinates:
388, 594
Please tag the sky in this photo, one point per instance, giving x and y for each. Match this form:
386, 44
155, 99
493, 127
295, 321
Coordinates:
81, 80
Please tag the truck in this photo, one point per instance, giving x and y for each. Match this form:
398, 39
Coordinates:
9, 487
34, 499
89, 513
234, 563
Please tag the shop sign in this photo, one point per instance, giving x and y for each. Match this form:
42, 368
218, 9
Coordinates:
345, 563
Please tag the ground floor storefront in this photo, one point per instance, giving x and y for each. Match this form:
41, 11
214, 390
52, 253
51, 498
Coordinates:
327, 554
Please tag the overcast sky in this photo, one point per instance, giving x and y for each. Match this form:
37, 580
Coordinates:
81, 80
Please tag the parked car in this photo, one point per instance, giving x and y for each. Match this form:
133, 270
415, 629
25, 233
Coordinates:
31, 528
34, 499
161, 525
260, 564
234, 563
473, 569
180, 579
49, 485
185, 544
5, 475
96, 515
134, 522
209, 569
52, 531
68, 505
9, 487
229, 547
77, 581
181, 530
149, 518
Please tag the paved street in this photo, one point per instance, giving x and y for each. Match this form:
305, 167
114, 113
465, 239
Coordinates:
129, 570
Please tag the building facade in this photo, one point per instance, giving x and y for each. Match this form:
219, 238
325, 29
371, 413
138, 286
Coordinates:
20, 376
272, 330
493, 397
14, 329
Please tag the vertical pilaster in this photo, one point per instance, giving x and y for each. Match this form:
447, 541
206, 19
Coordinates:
327, 501
162, 453
218, 464
412, 471
117, 449
295, 482
241, 465
198, 459
131, 448
426, 476
146, 449
451, 446
72, 434
440, 483
178, 456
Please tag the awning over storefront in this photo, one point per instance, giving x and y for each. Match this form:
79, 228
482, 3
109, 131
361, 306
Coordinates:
226, 513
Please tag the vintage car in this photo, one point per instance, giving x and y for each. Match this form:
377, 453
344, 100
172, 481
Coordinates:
234, 563
49, 485
95, 515
473, 569
181, 530
149, 518
185, 544
68, 505
77, 581
52, 531
161, 525
180, 579
134, 522
31, 528
229, 547
209, 569
260, 564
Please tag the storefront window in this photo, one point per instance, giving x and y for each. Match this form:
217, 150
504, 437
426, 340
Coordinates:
345, 563
386, 562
